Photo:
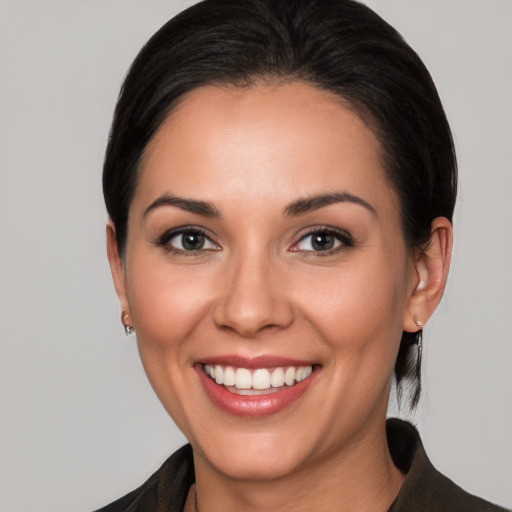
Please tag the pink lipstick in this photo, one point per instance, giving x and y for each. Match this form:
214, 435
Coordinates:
257, 386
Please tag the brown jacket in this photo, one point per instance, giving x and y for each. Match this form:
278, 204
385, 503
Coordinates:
424, 488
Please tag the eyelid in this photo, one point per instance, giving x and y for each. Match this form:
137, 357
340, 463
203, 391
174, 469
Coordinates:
341, 235
163, 239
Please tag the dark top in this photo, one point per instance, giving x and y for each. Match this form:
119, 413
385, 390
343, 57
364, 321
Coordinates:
424, 488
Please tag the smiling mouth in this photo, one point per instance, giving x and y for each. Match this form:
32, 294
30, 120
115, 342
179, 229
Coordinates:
258, 381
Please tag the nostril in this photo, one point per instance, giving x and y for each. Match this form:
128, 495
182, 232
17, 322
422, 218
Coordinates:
251, 299
249, 322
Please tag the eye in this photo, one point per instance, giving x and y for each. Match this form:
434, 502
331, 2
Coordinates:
187, 240
323, 240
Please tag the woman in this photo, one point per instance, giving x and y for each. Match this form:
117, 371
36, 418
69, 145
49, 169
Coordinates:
280, 180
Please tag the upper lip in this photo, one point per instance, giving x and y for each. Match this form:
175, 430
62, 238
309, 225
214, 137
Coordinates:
260, 361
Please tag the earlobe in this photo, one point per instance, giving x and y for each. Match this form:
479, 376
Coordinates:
431, 265
116, 268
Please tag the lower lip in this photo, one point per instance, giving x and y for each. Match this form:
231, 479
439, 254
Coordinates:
252, 405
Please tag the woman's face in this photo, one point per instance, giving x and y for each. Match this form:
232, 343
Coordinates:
265, 246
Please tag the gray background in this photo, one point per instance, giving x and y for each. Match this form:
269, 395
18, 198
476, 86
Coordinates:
79, 425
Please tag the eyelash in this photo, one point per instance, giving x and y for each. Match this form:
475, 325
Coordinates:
346, 241
342, 236
163, 241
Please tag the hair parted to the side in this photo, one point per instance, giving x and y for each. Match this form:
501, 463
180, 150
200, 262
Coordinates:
340, 46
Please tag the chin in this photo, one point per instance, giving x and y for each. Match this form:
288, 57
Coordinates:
254, 456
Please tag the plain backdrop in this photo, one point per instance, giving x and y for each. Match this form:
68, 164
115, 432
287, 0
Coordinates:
79, 424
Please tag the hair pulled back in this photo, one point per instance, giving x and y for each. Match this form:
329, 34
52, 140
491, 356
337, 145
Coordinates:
340, 46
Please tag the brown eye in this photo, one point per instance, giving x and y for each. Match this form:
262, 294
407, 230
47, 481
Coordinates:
187, 240
324, 240
192, 241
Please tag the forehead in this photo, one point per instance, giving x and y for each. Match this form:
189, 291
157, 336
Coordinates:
265, 142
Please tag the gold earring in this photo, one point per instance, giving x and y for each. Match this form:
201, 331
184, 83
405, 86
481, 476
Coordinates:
125, 320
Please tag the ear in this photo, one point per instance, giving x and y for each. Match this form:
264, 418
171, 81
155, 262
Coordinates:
117, 268
431, 265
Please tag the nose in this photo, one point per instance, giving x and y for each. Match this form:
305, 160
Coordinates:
253, 298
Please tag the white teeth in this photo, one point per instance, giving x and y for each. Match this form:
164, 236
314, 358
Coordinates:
277, 378
243, 379
289, 376
209, 370
259, 379
219, 375
229, 376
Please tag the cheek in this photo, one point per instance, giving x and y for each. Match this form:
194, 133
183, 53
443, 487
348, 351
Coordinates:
166, 302
167, 306
358, 309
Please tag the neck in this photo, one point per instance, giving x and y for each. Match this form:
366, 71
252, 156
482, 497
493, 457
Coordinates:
360, 477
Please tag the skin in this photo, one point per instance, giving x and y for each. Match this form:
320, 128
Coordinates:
258, 288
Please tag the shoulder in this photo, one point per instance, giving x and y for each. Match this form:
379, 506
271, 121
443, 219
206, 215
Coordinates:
165, 491
425, 488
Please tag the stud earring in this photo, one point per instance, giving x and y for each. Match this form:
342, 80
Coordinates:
125, 319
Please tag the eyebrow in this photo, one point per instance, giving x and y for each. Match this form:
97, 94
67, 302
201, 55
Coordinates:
298, 207
309, 204
203, 208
